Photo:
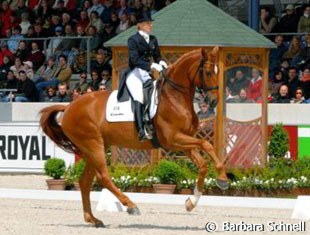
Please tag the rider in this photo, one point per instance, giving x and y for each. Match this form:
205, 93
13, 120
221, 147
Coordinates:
144, 56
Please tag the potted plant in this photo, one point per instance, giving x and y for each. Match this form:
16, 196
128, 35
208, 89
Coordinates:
74, 173
186, 186
169, 174
55, 168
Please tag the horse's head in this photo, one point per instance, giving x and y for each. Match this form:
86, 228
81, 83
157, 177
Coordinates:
205, 75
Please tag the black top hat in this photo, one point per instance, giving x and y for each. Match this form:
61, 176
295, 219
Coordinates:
144, 16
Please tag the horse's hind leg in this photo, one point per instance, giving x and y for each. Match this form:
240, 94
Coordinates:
94, 151
85, 182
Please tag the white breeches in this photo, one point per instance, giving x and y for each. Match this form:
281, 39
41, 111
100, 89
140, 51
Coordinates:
135, 81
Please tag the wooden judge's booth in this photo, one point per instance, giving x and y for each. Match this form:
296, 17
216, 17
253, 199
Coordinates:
239, 131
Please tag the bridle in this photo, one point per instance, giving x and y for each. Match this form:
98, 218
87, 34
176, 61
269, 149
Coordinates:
201, 73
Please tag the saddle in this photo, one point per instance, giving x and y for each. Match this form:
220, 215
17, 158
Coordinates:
120, 105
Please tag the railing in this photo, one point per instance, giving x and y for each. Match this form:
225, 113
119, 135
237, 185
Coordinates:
10, 93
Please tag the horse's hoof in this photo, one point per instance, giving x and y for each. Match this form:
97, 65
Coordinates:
189, 205
133, 211
222, 184
99, 225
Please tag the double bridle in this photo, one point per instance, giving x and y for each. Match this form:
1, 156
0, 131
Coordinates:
201, 73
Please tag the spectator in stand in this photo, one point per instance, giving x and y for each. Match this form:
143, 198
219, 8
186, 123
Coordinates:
124, 23
283, 95
97, 6
28, 69
204, 111
106, 80
22, 51
108, 32
4, 51
66, 45
106, 14
11, 83
101, 63
150, 6
14, 39
95, 21
36, 56
276, 54
83, 20
137, 7
50, 95
305, 82
39, 32
66, 19
302, 59
80, 64
102, 87
289, 22
82, 84
87, 7
298, 97
55, 22
132, 19
43, 10
95, 80
237, 82
243, 97
304, 21
90, 89
5, 68
62, 75
95, 40
114, 21
62, 95
293, 82
294, 49
255, 86
54, 43
122, 9
22, 8
18, 66
267, 20
76, 93
276, 82
59, 8
5, 14
46, 72
10, 25
26, 90
25, 23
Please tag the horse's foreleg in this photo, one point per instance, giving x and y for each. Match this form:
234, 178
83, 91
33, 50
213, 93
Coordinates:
219, 166
188, 142
201, 164
85, 182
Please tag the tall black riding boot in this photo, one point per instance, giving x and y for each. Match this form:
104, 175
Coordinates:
139, 120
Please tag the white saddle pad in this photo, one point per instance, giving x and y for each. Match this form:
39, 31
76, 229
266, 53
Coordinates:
121, 111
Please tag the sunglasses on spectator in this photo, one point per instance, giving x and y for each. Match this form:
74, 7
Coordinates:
102, 89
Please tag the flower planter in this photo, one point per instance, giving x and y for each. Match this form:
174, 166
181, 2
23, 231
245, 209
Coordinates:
145, 189
59, 184
164, 188
77, 186
186, 191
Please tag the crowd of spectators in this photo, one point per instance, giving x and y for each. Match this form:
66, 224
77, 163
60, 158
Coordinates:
289, 62
37, 61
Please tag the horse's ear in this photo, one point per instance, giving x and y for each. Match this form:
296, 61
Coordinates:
215, 51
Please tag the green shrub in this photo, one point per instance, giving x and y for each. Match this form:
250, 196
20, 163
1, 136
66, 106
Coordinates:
55, 168
168, 172
279, 142
74, 172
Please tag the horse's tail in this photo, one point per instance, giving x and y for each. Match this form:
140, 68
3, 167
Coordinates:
53, 130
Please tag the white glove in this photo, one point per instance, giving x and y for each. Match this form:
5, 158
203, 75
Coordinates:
163, 63
158, 67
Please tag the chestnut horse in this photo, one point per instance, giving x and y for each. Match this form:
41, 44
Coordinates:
84, 129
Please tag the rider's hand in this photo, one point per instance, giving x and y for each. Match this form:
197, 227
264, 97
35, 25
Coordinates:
158, 67
163, 63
